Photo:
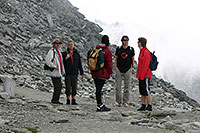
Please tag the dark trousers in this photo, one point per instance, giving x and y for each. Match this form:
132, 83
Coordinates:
71, 84
144, 88
99, 85
57, 89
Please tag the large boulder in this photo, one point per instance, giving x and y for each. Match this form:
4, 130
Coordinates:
8, 87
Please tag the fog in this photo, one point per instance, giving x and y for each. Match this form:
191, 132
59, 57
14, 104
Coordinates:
172, 29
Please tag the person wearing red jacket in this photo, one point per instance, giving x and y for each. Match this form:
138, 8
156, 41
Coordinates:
103, 74
144, 74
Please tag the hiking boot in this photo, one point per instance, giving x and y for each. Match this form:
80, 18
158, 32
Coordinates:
56, 102
103, 108
74, 102
149, 107
68, 101
142, 108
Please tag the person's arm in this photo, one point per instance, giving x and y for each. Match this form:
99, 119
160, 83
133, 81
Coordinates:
49, 58
116, 56
133, 57
132, 64
80, 67
63, 57
66, 55
116, 62
110, 64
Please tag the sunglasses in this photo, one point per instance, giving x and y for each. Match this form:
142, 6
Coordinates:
125, 40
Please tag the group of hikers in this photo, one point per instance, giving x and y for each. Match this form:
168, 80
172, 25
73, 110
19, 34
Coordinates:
68, 64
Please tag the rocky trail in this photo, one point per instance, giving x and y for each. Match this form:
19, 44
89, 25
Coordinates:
31, 111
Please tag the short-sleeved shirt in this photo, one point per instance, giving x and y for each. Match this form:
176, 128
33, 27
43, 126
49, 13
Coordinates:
124, 58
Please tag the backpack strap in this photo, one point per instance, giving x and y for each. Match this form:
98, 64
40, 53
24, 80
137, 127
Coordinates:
144, 50
53, 55
103, 48
93, 51
131, 48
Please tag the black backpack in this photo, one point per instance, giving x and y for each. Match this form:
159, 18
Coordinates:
154, 62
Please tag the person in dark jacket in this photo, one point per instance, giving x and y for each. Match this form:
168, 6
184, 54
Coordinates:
72, 65
103, 74
144, 74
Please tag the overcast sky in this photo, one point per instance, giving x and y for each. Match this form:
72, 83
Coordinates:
173, 24
151, 13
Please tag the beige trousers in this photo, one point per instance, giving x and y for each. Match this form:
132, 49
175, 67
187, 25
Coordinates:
127, 77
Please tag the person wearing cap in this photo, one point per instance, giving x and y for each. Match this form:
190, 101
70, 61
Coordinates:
144, 74
54, 60
72, 65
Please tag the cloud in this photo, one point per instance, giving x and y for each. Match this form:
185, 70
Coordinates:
171, 26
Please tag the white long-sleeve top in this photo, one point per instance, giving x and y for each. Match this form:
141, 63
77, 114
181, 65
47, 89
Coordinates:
55, 63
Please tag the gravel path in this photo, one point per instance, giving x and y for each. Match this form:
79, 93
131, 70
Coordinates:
32, 110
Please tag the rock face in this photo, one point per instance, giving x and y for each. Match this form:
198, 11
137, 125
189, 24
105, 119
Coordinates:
27, 29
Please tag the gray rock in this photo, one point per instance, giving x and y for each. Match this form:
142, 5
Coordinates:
128, 113
79, 113
60, 121
189, 126
5, 42
179, 122
4, 95
50, 21
158, 90
2, 121
137, 122
33, 43
23, 130
8, 86
161, 126
181, 96
172, 126
196, 124
163, 113
168, 118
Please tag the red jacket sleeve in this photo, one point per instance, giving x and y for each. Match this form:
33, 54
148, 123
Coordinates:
146, 62
109, 64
